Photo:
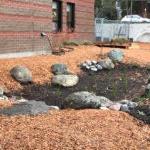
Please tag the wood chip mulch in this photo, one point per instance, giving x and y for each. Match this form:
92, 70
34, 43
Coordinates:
74, 130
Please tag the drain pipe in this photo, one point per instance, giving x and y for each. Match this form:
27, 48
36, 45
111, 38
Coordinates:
43, 34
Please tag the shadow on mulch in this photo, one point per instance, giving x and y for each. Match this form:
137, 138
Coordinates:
123, 82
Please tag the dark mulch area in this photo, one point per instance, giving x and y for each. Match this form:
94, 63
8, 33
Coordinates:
123, 82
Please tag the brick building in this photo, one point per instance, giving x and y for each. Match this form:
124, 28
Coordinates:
22, 21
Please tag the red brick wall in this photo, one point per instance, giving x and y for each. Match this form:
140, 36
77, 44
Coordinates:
21, 23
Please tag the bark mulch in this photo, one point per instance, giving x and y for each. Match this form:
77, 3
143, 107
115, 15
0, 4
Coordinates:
74, 130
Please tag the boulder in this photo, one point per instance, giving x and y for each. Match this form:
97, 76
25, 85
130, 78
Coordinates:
30, 107
84, 99
106, 64
65, 80
21, 74
59, 69
116, 55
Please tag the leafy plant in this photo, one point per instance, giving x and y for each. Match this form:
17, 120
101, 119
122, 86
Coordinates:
120, 40
71, 43
87, 43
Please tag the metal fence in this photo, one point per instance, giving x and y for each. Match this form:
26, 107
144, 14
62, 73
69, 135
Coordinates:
106, 30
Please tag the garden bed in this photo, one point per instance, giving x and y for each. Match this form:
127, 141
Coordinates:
123, 82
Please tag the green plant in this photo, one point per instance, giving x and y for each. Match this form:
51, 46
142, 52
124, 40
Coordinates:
114, 89
71, 43
87, 43
120, 40
58, 91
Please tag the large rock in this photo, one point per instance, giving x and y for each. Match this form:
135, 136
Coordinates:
29, 107
65, 80
84, 99
106, 64
21, 74
116, 55
59, 69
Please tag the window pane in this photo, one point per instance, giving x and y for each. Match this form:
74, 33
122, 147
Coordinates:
56, 16
70, 16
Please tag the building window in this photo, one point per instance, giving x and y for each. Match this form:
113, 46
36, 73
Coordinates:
57, 16
70, 17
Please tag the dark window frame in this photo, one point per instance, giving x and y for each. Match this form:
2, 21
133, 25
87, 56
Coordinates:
57, 16
71, 17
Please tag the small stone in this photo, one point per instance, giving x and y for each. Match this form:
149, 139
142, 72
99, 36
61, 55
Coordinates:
132, 104
94, 69
94, 62
87, 67
54, 108
1, 91
3, 97
116, 107
88, 62
20, 101
106, 64
125, 101
99, 67
104, 108
148, 87
124, 108
83, 65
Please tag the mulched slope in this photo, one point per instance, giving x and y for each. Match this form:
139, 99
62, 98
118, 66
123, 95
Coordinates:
70, 129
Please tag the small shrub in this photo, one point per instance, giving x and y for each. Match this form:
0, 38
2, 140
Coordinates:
86, 43
71, 43
120, 40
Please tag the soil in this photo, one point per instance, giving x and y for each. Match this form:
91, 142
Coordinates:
123, 82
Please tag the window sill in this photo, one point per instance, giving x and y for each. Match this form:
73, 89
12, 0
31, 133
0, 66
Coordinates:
70, 30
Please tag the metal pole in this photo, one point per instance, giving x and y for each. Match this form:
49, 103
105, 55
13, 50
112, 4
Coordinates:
131, 7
